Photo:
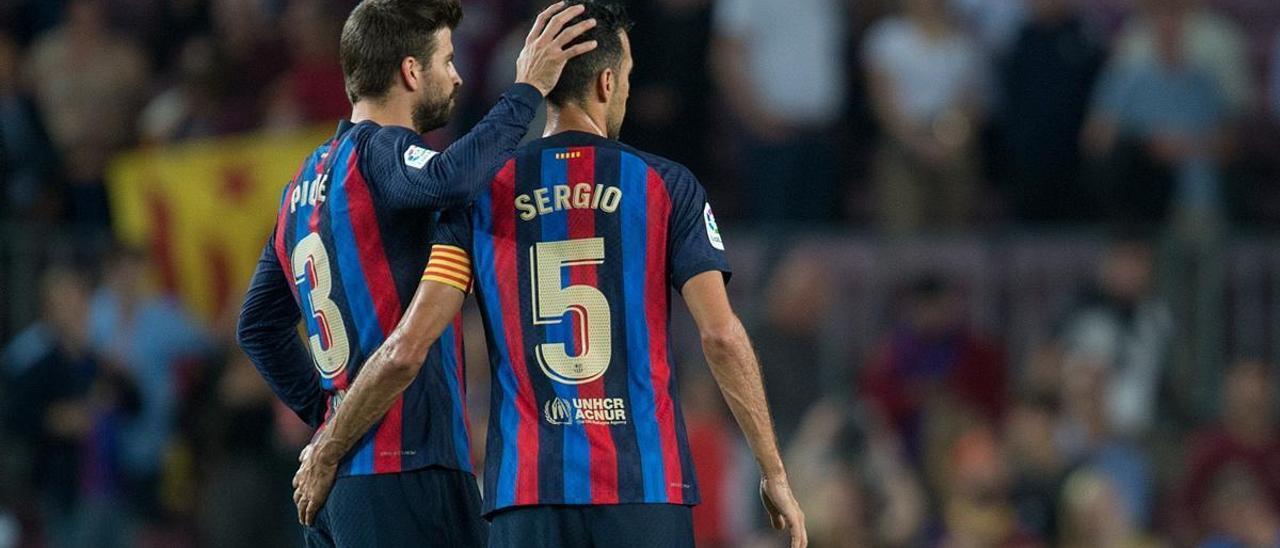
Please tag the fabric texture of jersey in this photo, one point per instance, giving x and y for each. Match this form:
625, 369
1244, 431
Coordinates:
574, 249
353, 230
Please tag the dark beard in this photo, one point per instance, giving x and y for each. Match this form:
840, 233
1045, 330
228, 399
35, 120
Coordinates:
431, 115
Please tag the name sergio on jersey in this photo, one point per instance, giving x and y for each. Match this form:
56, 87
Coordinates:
562, 197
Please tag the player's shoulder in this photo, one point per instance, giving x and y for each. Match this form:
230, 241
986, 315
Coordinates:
673, 173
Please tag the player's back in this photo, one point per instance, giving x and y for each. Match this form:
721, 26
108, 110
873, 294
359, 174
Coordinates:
575, 248
354, 266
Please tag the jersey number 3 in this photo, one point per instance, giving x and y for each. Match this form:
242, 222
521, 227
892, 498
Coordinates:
552, 300
328, 334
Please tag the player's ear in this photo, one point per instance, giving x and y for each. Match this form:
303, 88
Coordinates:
409, 73
606, 81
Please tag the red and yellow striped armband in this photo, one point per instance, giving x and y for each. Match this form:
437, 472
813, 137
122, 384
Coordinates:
449, 265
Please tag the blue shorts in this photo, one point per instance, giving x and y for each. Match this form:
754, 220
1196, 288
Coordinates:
611, 526
427, 507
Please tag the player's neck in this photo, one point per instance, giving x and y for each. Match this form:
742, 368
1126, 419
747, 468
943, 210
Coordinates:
384, 113
574, 118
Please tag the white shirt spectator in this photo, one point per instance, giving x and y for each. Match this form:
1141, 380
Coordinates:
795, 55
1133, 355
1211, 43
930, 76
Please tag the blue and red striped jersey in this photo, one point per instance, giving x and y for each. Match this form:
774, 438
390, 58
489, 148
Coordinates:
574, 248
353, 230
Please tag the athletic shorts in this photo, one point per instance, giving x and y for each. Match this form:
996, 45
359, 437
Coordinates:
604, 526
428, 507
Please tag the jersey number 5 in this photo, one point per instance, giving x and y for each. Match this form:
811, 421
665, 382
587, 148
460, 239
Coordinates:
551, 301
328, 335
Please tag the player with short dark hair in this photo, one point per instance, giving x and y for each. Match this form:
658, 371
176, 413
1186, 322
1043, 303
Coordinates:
572, 251
352, 232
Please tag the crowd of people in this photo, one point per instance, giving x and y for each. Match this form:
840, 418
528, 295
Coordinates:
125, 421
905, 116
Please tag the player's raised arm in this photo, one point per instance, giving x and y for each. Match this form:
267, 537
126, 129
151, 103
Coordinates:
385, 376
733, 363
268, 333
420, 178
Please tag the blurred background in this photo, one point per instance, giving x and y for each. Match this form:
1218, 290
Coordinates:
1011, 266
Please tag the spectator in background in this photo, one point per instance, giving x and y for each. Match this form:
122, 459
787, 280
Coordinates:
932, 366
1116, 343
1242, 513
789, 340
153, 339
1246, 437
977, 509
780, 72
90, 84
669, 111
191, 107
1093, 515
1204, 39
244, 499
1160, 122
67, 406
1120, 327
1039, 465
929, 84
1046, 82
28, 165
1089, 441
858, 489
312, 89
243, 33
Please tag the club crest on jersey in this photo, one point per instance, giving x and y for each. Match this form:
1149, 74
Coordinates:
416, 157
606, 411
713, 230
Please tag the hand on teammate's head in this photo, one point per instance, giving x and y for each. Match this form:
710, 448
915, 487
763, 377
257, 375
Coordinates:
547, 47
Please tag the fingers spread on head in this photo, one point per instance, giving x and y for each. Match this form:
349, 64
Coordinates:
557, 23
572, 33
540, 22
579, 49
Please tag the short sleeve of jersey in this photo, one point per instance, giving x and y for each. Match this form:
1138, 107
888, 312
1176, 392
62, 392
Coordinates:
454, 229
450, 261
694, 240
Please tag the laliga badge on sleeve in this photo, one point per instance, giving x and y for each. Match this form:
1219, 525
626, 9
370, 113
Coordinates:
713, 230
416, 157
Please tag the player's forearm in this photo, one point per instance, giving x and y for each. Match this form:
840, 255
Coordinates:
267, 332
734, 366
383, 378
286, 366
390, 370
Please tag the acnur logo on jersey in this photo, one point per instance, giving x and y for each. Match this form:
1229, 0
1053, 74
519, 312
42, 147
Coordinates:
606, 411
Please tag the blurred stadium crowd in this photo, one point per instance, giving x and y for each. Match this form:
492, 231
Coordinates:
944, 369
